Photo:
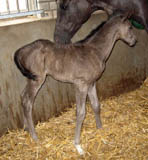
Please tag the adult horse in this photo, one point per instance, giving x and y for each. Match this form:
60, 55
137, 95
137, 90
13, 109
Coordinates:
72, 14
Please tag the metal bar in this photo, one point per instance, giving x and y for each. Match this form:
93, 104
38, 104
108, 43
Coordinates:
8, 8
21, 14
47, 1
17, 4
36, 2
27, 4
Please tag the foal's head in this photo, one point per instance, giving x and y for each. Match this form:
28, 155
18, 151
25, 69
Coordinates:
125, 31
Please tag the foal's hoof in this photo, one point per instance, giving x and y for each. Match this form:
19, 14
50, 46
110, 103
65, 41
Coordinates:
26, 129
35, 138
99, 126
79, 149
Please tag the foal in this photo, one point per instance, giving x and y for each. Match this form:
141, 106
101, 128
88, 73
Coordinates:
81, 64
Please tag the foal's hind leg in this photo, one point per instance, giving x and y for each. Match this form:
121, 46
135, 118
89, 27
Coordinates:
28, 97
92, 93
81, 93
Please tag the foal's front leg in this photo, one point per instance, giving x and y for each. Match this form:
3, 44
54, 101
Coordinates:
28, 97
92, 93
81, 94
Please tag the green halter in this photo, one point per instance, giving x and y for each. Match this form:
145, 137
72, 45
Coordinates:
136, 24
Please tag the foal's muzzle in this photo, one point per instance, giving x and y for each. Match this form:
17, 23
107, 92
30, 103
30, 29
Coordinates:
133, 43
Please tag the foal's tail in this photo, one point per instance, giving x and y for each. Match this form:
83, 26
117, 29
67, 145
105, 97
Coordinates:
22, 68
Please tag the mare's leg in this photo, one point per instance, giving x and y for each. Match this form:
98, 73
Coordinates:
28, 97
81, 93
92, 93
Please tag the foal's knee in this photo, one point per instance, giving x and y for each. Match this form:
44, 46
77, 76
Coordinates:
96, 107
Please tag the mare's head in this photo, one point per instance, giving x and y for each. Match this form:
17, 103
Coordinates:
71, 14
124, 29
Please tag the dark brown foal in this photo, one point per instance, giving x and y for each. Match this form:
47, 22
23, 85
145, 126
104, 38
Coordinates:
81, 64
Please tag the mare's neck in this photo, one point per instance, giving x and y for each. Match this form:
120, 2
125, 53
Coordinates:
104, 40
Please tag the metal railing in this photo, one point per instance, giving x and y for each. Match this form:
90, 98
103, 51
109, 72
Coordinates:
19, 8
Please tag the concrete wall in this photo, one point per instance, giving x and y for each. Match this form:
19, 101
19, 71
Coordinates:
125, 68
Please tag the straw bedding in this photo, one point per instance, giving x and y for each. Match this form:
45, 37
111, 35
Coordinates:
124, 135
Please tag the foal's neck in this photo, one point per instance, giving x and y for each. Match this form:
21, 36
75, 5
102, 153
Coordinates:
104, 40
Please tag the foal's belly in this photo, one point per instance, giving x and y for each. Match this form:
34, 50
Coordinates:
87, 74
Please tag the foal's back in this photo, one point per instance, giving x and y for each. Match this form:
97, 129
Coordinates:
67, 64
